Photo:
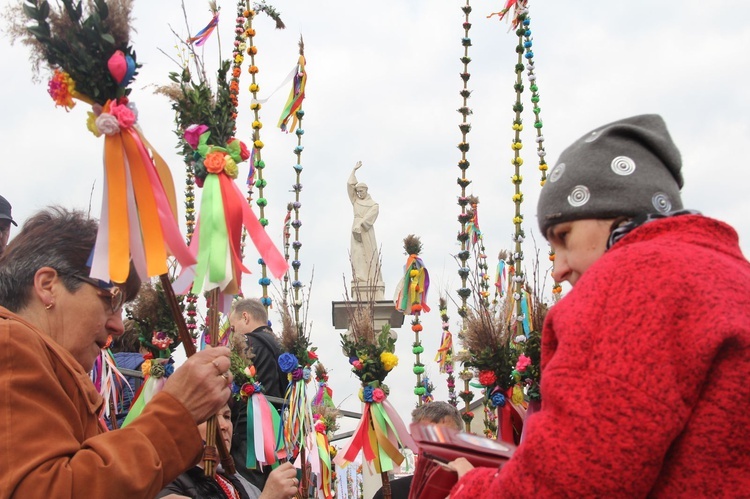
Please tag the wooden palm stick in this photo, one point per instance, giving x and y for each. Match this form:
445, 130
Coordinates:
187, 343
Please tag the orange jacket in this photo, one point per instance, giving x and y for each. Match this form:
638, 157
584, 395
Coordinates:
51, 440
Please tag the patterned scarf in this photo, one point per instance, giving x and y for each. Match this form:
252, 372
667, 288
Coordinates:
622, 229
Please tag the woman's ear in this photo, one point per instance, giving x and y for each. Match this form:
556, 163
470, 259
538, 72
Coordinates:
46, 280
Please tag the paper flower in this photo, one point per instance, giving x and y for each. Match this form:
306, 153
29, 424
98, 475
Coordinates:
389, 360
523, 362
214, 162
487, 378
125, 116
288, 362
193, 134
107, 124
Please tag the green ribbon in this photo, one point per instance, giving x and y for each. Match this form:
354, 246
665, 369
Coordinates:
381, 419
214, 240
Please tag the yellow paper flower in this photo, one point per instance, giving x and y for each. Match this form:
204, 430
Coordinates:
230, 167
258, 144
254, 87
91, 124
388, 360
146, 367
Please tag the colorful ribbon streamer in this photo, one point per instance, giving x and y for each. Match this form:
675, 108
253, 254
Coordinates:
379, 435
201, 37
500, 278
151, 386
415, 285
443, 353
262, 422
138, 218
296, 96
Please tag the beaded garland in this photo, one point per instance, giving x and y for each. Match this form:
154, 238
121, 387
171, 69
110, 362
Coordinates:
463, 218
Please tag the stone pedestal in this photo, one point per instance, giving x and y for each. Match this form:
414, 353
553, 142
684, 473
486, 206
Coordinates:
383, 312
365, 292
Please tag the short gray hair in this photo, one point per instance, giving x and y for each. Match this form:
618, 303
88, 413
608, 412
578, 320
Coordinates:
58, 238
253, 307
436, 412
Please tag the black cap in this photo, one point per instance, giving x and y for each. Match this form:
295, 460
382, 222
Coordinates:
5, 211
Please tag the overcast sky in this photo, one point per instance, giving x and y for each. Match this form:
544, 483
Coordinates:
383, 88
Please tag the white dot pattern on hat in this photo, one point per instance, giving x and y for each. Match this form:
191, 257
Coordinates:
579, 196
622, 165
557, 172
592, 137
662, 203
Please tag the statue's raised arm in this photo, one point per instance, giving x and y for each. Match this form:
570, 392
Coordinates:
352, 182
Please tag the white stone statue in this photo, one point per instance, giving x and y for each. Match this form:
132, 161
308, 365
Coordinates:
364, 247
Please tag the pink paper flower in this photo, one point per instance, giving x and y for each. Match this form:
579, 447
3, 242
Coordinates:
193, 134
378, 395
125, 116
522, 363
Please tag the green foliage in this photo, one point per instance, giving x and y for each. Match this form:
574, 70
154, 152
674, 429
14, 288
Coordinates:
80, 42
368, 354
150, 313
197, 104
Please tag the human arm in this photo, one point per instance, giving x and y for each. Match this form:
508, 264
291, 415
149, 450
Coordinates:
282, 483
52, 443
616, 388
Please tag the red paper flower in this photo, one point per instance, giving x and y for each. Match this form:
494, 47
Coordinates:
487, 378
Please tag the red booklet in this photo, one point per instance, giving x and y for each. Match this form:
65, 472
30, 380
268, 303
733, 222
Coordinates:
442, 444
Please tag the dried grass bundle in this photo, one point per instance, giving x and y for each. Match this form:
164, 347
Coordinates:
412, 245
145, 308
484, 330
290, 334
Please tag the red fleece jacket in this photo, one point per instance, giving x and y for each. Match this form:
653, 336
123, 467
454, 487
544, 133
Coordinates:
645, 369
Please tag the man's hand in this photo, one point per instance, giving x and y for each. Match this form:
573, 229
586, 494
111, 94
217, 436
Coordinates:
202, 383
358, 166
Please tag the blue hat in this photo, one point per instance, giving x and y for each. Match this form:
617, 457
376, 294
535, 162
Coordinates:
5, 209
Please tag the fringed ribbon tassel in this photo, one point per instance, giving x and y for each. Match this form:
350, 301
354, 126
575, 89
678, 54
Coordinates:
298, 420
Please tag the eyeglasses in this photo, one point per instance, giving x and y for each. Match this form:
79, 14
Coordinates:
105, 290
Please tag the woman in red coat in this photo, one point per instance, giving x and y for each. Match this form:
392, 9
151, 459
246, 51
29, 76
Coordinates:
645, 360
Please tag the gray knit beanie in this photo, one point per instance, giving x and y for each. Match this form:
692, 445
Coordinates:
628, 168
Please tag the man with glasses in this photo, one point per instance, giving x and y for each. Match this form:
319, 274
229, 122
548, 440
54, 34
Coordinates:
5, 220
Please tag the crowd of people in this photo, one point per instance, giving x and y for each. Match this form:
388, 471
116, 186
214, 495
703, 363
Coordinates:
642, 361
